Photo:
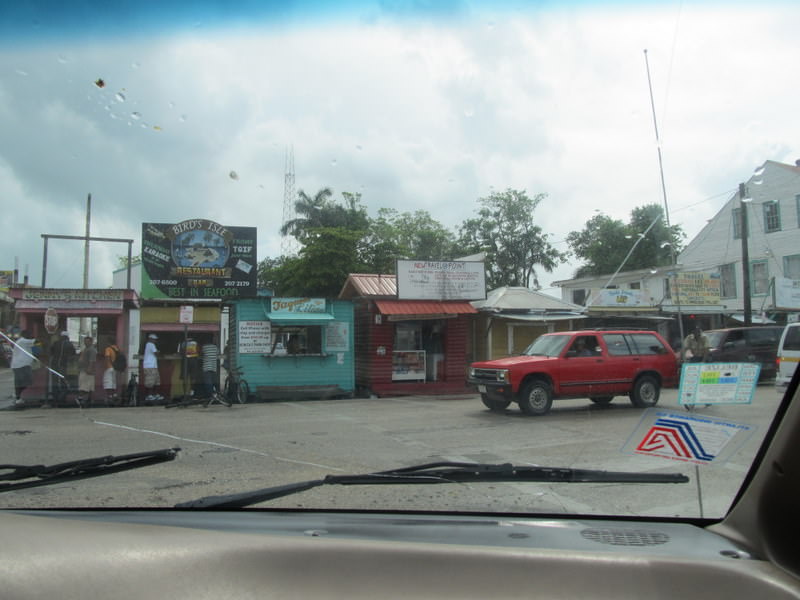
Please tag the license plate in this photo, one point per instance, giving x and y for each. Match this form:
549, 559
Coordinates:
482, 389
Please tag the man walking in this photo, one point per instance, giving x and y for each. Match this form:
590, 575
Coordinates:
21, 361
86, 372
695, 346
152, 378
110, 374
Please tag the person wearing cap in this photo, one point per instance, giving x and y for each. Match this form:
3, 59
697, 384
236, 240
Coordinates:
696, 346
21, 361
152, 378
61, 354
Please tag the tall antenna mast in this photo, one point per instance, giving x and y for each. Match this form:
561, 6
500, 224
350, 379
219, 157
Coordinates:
287, 242
673, 254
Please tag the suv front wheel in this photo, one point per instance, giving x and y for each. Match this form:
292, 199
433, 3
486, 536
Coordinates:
645, 392
495, 404
536, 398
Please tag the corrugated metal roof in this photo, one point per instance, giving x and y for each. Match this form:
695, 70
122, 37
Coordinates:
423, 307
511, 298
360, 285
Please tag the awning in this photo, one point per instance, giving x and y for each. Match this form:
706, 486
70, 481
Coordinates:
290, 318
195, 327
426, 309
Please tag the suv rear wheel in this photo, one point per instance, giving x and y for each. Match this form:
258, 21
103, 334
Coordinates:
496, 404
645, 392
536, 398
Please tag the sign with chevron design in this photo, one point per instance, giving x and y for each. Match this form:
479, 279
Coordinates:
685, 437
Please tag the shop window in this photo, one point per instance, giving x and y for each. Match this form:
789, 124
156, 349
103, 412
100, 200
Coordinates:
296, 339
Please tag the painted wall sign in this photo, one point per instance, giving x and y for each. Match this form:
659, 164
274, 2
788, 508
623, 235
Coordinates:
199, 259
297, 305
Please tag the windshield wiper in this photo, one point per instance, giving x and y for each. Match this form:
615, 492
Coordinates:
35, 475
440, 472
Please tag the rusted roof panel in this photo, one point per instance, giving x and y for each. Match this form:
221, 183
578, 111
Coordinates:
424, 307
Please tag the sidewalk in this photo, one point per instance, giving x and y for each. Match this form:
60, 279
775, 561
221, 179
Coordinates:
6, 388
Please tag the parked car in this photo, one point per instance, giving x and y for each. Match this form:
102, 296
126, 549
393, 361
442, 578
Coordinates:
575, 364
746, 344
788, 355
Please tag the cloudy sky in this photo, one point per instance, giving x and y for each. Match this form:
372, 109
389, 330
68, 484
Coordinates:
414, 105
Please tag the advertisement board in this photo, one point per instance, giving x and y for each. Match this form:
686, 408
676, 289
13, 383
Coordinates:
198, 259
440, 280
695, 289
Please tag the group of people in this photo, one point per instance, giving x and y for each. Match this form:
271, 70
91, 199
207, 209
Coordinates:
202, 362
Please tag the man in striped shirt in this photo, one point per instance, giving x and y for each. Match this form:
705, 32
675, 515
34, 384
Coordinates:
209, 357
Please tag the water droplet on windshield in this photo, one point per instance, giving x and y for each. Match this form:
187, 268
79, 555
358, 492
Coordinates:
469, 112
119, 97
758, 182
183, 118
333, 162
100, 83
359, 147
136, 116
135, 65
759, 171
234, 175
21, 72
62, 59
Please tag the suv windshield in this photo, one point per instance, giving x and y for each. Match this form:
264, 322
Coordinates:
549, 345
301, 239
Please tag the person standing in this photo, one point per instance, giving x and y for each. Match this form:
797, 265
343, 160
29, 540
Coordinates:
109, 374
61, 354
87, 360
696, 343
152, 378
210, 363
21, 360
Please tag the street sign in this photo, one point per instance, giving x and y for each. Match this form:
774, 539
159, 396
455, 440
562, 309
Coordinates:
186, 315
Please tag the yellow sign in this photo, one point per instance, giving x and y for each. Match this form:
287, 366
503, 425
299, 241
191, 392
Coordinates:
695, 289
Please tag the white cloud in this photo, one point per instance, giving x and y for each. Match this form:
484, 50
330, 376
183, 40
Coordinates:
414, 114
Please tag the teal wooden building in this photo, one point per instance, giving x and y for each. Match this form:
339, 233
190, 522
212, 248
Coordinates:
293, 347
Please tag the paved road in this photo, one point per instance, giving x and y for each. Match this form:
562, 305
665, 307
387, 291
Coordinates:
256, 445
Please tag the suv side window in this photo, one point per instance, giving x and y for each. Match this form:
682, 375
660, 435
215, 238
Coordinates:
792, 339
617, 345
645, 343
735, 337
763, 337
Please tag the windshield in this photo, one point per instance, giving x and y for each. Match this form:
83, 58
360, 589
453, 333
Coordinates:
550, 345
278, 235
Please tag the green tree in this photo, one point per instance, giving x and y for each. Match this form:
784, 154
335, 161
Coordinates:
604, 243
514, 245
393, 235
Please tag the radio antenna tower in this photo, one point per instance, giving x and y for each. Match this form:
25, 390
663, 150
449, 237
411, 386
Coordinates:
287, 242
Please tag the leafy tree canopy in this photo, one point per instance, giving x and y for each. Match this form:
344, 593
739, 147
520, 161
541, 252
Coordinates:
604, 243
514, 245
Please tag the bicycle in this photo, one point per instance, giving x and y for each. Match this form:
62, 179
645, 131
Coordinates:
236, 388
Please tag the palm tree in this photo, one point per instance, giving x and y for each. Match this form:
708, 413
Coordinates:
312, 211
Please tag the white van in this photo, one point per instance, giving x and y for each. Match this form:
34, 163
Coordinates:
788, 356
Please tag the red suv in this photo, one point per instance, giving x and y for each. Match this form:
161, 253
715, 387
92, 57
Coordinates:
597, 364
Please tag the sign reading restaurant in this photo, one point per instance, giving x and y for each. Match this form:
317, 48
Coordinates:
198, 258
440, 280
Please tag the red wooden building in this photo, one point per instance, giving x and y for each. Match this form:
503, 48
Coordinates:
407, 346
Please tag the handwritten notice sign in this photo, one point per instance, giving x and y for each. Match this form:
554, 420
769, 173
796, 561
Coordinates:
337, 336
255, 337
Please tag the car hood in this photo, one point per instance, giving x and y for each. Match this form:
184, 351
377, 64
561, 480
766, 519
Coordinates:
510, 361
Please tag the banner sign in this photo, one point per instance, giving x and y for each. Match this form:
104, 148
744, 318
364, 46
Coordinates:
618, 298
691, 438
6, 280
198, 259
440, 280
695, 289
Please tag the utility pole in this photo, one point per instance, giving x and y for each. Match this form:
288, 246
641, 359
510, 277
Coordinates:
86, 243
745, 256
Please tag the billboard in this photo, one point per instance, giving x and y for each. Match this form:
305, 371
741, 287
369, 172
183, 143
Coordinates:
440, 280
695, 289
198, 259
787, 293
